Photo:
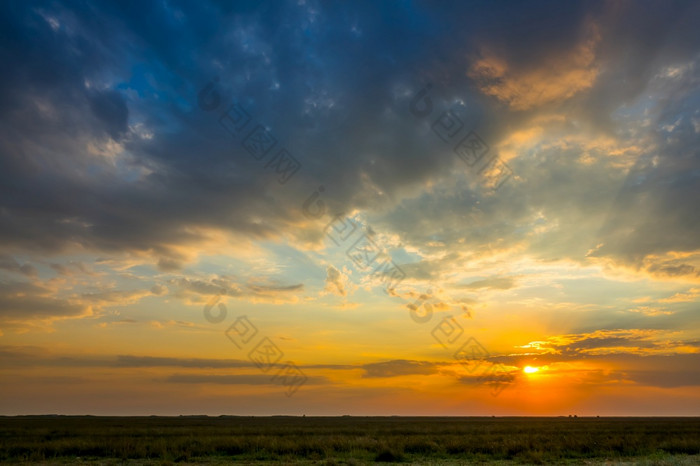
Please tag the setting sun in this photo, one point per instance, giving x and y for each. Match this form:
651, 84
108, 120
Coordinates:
530, 369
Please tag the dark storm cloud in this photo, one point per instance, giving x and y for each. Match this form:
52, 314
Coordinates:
54, 194
110, 108
335, 111
333, 84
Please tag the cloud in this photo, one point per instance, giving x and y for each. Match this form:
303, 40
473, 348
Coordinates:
338, 282
499, 283
554, 79
115, 297
109, 106
72, 268
651, 311
399, 367
59, 379
26, 302
689, 296
224, 286
150, 361
644, 342
28, 357
240, 379
159, 290
176, 181
666, 379
21, 356
10, 264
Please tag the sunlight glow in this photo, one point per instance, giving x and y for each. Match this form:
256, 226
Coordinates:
530, 369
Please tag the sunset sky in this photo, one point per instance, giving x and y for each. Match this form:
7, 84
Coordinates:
365, 208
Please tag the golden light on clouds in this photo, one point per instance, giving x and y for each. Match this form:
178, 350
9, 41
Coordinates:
555, 79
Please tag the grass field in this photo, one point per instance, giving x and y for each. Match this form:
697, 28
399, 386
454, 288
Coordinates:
349, 440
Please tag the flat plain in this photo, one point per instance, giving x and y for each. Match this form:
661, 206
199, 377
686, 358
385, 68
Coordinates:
349, 440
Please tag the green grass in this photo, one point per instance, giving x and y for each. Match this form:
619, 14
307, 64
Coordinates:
350, 440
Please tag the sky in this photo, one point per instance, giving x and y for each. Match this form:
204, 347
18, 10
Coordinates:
364, 208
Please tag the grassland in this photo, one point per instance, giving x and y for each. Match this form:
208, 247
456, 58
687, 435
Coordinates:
349, 440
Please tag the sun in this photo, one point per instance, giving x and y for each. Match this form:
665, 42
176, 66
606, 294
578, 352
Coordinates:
530, 369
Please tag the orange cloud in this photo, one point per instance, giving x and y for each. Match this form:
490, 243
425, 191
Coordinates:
691, 295
555, 79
